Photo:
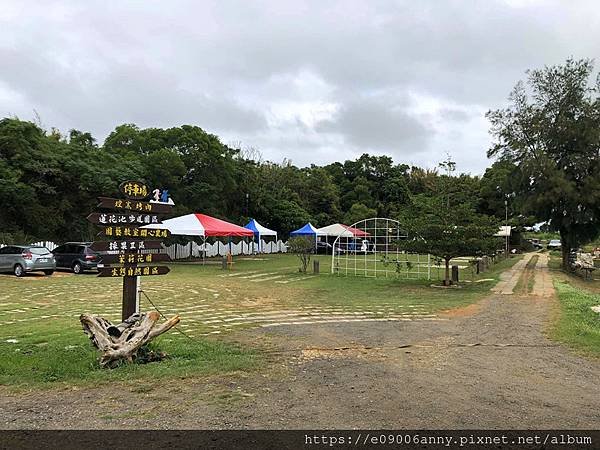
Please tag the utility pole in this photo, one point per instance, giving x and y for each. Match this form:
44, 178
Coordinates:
449, 166
506, 225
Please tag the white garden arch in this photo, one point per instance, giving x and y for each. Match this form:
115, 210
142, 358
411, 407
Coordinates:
370, 249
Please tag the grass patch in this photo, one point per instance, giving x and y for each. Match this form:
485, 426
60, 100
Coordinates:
527, 278
42, 342
352, 291
69, 357
578, 326
554, 261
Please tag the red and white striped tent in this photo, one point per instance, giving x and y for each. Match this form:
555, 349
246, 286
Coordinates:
202, 225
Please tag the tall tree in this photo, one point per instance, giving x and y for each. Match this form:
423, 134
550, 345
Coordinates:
446, 232
359, 212
322, 196
551, 132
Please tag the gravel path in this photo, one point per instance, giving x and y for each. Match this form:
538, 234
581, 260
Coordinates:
510, 278
542, 285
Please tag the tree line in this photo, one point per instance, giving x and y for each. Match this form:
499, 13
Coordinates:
49, 182
547, 169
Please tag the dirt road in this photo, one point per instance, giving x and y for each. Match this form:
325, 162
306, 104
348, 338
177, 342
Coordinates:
489, 366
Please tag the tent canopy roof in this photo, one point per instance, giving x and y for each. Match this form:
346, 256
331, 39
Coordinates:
339, 229
201, 225
257, 228
306, 230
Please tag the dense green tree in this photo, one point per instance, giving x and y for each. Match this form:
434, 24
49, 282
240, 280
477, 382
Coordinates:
358, 212
551, 132
322, 196
82, 139
48, 185
497, 186
49, 181
286, 215
164, 168
422, 181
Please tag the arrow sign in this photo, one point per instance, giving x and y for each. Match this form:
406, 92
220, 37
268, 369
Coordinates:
120, 232
135, 258
132, 218
134, 205
124, 246
119, 272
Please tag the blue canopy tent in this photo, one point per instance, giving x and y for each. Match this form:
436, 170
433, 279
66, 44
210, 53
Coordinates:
259, 231
306, 231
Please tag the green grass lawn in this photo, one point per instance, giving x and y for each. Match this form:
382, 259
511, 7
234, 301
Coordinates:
577, 326
42, 342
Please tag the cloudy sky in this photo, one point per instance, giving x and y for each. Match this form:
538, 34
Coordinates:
313, 82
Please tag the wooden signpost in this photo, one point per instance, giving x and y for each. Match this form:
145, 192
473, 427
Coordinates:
128, 238
125, 245
132, 232
118, 204
132, 271
132, 218
133, 259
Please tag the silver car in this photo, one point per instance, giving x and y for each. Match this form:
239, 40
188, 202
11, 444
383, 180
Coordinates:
554, 244
20, 259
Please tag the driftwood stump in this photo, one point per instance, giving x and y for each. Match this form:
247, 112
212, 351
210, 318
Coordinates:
121, 342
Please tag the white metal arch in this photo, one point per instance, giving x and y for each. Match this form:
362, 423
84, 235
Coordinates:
370, 249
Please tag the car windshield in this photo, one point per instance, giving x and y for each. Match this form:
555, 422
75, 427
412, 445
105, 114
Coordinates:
39, 250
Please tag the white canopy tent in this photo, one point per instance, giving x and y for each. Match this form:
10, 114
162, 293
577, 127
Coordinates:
336, 229
260, 230
339, 229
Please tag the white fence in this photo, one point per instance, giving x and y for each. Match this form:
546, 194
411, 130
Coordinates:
194, 250
49, 245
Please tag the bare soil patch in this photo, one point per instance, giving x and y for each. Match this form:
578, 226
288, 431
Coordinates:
465, 311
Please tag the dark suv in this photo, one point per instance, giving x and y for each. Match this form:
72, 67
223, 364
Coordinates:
76, 256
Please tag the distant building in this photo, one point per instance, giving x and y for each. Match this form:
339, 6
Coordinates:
504, 231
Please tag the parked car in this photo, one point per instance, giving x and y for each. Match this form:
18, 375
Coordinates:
554, 244
324, 247
20, 259
536, 243
76, 256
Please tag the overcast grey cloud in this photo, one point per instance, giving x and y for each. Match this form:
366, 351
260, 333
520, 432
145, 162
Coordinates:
311, 81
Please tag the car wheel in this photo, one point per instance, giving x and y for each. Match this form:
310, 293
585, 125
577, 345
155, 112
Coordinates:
18, 270
48, 272
77, 268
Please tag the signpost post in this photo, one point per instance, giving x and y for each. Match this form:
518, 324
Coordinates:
128, 240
